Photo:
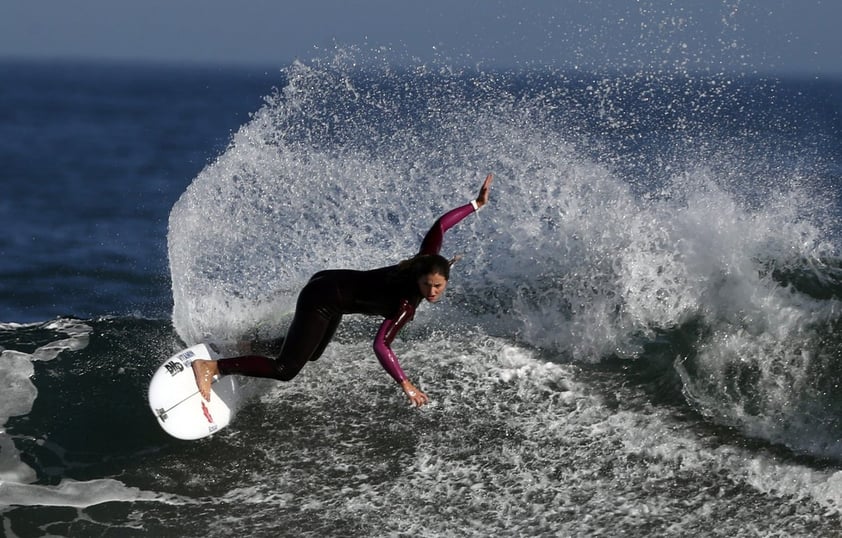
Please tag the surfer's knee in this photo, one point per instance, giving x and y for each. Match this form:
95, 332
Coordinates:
285, 371
284, 374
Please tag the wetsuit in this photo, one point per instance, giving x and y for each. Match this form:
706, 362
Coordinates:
388, 291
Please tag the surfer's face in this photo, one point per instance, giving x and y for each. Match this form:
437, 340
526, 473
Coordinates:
432, 286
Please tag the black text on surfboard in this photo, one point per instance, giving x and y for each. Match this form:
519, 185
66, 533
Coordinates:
174, 367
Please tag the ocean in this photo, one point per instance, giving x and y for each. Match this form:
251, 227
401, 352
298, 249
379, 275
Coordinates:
642, 337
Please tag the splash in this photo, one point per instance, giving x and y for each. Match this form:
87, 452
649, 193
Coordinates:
624, 208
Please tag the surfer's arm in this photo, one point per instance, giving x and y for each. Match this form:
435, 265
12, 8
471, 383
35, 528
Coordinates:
382, 349
435, 236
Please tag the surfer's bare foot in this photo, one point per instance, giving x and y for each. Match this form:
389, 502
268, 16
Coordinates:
204, 371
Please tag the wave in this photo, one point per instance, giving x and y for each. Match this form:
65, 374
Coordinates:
624, 209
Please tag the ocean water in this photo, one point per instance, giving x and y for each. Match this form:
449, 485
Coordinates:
641, 339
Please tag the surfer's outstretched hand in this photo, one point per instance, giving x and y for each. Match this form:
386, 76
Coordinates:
482, 198
415, 396
204, 371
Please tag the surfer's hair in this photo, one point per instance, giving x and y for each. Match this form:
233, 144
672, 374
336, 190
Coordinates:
425, 264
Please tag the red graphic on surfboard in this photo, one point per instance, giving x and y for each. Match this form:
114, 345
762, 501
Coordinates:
206, 411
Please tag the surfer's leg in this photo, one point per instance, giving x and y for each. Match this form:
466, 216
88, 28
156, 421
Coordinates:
313, 325
248, 365
315, 321
330, 330
308, 336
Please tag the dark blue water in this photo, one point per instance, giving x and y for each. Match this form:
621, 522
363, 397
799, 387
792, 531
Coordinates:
93, 159
641, 338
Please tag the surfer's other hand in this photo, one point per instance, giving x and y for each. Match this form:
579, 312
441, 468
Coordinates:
482, 198
415, 396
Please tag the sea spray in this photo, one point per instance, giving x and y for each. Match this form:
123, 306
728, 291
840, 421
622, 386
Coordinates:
624, 211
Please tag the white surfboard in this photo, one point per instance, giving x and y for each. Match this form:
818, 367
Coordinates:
175, 400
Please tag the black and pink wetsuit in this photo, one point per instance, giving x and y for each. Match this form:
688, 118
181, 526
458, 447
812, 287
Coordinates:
387, 292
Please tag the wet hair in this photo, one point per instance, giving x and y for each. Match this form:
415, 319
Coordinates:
425, 264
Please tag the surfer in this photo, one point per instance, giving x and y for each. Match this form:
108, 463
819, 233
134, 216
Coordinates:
392, 292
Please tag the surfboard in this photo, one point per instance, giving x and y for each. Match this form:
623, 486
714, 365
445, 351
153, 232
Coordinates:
175, 400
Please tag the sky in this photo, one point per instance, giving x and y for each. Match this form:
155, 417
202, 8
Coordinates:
746, 36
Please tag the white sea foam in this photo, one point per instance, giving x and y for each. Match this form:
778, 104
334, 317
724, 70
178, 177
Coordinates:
19, 394
510, 443
72, 493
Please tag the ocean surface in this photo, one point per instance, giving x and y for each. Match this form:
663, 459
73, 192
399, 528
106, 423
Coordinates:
643, 337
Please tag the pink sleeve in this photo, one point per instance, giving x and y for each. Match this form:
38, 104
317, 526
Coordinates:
433, 240
388, 330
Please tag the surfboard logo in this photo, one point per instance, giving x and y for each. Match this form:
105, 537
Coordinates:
185, 356
174, 367
206, 411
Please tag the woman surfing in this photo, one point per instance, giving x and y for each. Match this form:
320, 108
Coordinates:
392, 292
